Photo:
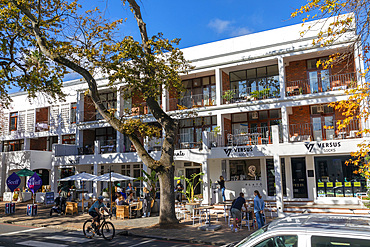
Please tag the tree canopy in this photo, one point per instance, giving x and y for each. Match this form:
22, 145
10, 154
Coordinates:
43, 40
357, 18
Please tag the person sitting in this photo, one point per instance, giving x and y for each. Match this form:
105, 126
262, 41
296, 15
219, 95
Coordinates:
120, 200
130, 197
130, 188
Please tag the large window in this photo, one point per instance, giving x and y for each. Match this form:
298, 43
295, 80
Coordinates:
322, 115
73, 113
256, 83
199, 92
318, 77
191, 130
109, 100
107, 138
245, 169
16, 145
13, 121
336, 179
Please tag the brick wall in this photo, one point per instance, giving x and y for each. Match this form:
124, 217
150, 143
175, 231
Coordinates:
38, 144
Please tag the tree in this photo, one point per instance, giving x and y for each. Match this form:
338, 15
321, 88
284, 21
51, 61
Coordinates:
357, 104
42, 40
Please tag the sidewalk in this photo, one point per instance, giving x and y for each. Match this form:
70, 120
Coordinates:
145, 227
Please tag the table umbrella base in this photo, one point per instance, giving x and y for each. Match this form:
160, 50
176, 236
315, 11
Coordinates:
209, 227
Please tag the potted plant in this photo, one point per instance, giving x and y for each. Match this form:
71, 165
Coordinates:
105, 193
228, 96
191, 184
151, 179
300, 90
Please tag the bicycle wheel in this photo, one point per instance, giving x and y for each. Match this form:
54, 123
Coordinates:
88, 229
108, 231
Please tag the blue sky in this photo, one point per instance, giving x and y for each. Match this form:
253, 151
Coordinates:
202, 21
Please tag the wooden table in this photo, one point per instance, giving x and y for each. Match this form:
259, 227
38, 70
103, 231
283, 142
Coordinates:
131, 205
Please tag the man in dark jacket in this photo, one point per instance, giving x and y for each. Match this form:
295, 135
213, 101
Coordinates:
236, 210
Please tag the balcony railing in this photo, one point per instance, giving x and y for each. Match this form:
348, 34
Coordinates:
321, 84
249, 94
193, 101
186, 141
42, 126
322, 131
108, 146
248, 136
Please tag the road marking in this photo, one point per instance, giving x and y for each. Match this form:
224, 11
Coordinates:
39, 243
79, 240
28, 230
148, 241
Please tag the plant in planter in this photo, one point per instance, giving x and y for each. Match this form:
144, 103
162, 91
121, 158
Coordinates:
300, 90
151, 179
261, 94
191, 184
228, 96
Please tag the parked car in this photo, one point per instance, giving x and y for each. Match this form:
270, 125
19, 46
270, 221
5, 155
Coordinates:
312, 230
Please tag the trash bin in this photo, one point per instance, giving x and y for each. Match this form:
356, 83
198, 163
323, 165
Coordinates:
31, 209
10, 208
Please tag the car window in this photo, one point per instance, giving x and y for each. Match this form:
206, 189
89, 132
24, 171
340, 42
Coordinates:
323, 241
253, 235
280, 241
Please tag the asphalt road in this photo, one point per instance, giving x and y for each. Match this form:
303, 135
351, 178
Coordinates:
16, 235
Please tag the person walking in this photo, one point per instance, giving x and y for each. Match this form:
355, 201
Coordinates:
179, 188
146, 202
259, 206
236, 211
221, 182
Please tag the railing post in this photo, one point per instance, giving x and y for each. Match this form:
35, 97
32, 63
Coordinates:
275, 134
205, 141
281, 68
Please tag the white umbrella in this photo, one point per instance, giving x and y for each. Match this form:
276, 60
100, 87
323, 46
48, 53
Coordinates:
80, 177
112, 177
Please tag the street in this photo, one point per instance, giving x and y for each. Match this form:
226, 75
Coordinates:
17, 235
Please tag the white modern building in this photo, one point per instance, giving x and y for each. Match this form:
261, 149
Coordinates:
262, 108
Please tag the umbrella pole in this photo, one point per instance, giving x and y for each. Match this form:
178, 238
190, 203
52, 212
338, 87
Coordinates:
83, 205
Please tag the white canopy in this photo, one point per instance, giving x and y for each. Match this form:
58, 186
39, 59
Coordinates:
112, 177
81, 177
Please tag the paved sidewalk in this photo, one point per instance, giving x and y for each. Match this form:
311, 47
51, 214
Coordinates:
147, 227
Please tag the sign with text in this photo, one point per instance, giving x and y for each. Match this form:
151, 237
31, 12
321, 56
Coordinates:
13, 181
34, 183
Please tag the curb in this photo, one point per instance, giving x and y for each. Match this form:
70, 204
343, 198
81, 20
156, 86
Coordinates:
192, 241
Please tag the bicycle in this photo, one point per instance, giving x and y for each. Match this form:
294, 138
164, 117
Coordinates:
106, 228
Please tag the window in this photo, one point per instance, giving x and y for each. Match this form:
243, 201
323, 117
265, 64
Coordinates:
191, 130
318, 77
326, 241
16, 145
245, 169
107, 137
287, 241
199, 92
262, 82
109, 100
137, 171
73, 113
13, 121
69, 139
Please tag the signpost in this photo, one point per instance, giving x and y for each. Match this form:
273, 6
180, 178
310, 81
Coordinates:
13, 181
34, 184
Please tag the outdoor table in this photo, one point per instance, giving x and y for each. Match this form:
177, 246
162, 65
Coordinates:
206, 210
131, 205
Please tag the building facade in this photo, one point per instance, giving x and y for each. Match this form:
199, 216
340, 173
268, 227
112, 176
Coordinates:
263, 122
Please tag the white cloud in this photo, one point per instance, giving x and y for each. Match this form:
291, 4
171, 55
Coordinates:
225, 26
219, 25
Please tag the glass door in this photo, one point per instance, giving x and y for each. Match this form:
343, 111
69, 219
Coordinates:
299, 178
325, 80
329, 131
317, 128
314, 85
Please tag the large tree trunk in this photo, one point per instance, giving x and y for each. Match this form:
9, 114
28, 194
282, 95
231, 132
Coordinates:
167, 213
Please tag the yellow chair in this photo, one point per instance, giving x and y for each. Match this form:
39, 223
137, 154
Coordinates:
138, 207
71, 208
122, 211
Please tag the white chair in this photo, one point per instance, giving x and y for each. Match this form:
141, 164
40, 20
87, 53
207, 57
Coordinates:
230, 140
197, 214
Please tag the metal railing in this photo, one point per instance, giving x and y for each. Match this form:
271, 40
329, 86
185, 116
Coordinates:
321, 84
42, 126
249, 94
108, 146
193, 101
322, 131
248, 136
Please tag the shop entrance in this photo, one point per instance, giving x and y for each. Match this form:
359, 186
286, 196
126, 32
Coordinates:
299, 178
189, 172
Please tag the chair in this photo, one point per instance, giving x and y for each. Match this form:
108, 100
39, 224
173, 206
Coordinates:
266, 138
71, 208
197, 214
138, 208
122, 211
247, 217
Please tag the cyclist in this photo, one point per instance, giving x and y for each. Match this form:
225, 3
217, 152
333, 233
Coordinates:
95, 213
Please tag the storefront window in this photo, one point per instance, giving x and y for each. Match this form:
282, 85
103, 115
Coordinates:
270, 169
245, 169
336, 179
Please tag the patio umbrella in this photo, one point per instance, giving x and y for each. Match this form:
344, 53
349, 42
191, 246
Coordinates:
80, 177
26, 173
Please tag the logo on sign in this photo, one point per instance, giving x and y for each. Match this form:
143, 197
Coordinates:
13, 181
241, 151
34, 183
324, 146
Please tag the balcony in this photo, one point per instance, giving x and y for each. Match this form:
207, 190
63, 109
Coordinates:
323, 84
193, 101
248, 94
322, 131
42, 126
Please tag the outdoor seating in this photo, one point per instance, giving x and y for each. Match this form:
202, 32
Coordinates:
138, 208
122, 211
71, 208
